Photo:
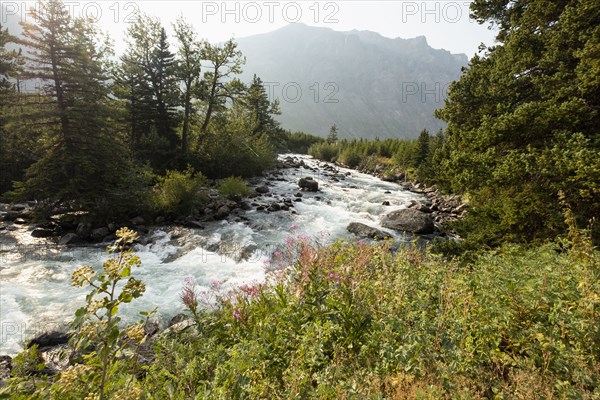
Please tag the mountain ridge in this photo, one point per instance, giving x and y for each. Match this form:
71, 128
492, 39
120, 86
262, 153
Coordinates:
367, 84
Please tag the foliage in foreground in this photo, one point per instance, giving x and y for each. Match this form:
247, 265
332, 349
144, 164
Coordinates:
355, 321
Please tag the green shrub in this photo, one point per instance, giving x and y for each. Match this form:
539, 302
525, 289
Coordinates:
299, 142
356, 321
179, 193
353, 321
236, 154
233, 187
350, 158
108, 362
324, 151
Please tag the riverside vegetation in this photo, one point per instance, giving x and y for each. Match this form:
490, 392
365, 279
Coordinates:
346, 321
511, 311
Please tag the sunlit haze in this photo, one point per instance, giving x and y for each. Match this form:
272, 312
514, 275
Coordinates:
445, 24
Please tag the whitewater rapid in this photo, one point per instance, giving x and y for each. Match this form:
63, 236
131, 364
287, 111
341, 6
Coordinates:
35, 291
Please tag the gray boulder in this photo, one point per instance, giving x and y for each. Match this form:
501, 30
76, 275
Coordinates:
366, 231
308, 184
138, 220
69, 238
42, 233
409, 220
99, 233
222, 212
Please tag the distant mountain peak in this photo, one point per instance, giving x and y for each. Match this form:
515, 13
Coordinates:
369, 84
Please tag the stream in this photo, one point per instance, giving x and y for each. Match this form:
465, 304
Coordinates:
35, 291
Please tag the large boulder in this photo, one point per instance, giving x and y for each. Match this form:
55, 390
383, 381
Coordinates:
223, 212
409, 220
69, 238
309, 184
42, 233
50, 339
99, 233
262, 189
366, 231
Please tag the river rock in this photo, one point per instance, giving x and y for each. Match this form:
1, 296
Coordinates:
49, 339
222, 212
138, 220
309, 184
408, 220
69, 238
245, 206
262, 189
274, 207
99, 233
42, 233
19, 207
366, 231
194, 224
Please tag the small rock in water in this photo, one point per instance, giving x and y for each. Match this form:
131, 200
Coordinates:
138, 220
42, 233
194, 224
262, 189
308, 184
19, 207
99, 233
49, 339
69, 238
274, 207
366, 231
385, 203
222, 212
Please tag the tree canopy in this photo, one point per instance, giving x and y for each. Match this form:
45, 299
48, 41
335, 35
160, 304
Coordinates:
522, 136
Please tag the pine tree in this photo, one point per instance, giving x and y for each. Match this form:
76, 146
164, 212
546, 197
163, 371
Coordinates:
522, 134
257, 102
422, 147
333, 134
188, 72
84, 164
147, 82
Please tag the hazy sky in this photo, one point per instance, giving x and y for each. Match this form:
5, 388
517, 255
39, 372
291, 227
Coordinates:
445, 24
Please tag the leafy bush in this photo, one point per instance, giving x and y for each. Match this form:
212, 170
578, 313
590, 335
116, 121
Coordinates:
324, 151
236, 154
356, 321
179, 193
234, 187
299, 142
353, 321
350, 158
108, 363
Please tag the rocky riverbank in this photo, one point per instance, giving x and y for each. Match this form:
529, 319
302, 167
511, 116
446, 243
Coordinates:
240, 232
443, 208
74, 229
